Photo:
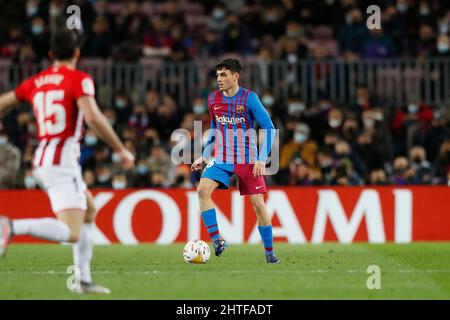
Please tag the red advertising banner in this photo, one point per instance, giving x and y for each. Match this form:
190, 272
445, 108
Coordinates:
300, 214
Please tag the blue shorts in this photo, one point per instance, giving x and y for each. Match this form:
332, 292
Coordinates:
221, 173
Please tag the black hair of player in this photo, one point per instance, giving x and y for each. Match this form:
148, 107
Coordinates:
63, 44
230, 64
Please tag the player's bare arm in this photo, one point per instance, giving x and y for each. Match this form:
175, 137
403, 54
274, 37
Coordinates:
7, 100
98, 122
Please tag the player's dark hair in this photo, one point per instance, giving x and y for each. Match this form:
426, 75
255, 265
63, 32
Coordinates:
230, 64
63, 44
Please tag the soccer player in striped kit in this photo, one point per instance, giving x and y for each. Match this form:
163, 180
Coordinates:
231, 149
62, 98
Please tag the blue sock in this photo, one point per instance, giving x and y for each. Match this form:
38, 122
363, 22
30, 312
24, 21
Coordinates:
267, 238
210, 220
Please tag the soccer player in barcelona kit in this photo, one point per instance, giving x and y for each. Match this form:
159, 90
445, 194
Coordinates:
62, 98
231, 149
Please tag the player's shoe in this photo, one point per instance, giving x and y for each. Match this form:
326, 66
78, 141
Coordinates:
220, 246
86, 287
270, 258
5, 234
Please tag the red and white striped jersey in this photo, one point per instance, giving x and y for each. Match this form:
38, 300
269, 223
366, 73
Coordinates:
53, 94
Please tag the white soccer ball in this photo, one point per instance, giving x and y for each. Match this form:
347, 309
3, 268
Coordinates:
196, 251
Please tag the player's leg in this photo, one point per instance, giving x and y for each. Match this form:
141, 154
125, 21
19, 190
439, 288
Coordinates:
205, 190
255, 188
61, 188
264, 226
214, 176
58, 230
83, 250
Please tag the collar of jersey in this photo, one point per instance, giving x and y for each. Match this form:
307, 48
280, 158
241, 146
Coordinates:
228, 98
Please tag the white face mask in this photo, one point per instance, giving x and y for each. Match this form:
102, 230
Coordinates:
218, 14
3, 140
424, 11
198, 109
30, 182
379, 116
295, 108
369, 123
402, 7
119, 185
90, 140
334, 123
103, 178
442, 47
115, 157
413, 108
300, 137
268, 101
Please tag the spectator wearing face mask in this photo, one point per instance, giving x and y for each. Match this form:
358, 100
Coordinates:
421, 166
39, 38
353, 34
442, 47
103, 176
335, 119
438, 87
217, 21
141, 178
87, 149
199, 107
299, 146
295, 109
119, 181
10, 162
29, 181
123, 107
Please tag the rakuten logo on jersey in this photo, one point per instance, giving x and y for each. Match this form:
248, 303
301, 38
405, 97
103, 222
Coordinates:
229, 120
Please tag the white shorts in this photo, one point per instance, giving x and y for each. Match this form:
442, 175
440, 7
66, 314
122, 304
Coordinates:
64, 186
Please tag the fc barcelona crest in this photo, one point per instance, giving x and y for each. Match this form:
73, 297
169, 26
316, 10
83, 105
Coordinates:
240, 108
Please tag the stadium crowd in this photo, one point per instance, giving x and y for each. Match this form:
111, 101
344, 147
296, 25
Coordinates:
321, 143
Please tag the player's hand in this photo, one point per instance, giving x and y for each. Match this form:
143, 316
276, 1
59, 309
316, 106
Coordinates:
197, 165
259, 169
127, 158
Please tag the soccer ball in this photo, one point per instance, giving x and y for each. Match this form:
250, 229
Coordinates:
196, 251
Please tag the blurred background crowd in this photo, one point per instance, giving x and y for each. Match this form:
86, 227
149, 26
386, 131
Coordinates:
324, 142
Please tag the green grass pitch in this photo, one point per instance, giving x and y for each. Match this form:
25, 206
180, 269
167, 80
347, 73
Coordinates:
326, 271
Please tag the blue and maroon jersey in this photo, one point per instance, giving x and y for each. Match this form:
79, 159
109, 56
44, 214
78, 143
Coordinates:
233, 131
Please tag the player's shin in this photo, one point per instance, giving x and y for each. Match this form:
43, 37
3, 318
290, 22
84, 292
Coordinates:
44, 228
267, 238
82, 252
210, 220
